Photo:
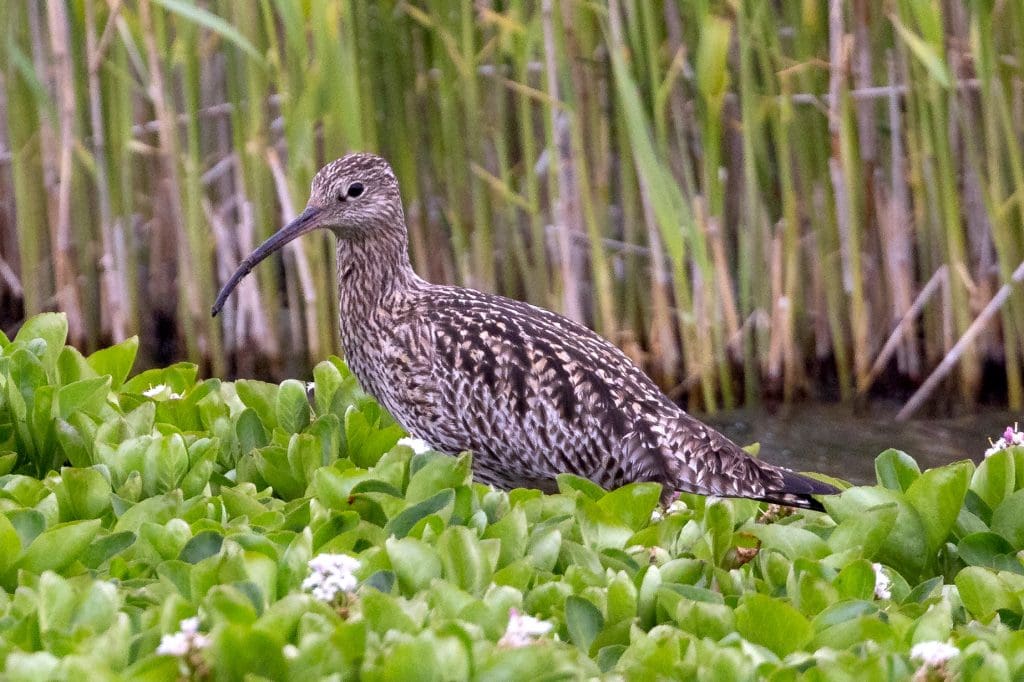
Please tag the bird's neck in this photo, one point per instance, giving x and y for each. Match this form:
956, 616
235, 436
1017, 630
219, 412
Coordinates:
374, 278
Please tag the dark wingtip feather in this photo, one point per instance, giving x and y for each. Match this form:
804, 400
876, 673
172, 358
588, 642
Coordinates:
796, 490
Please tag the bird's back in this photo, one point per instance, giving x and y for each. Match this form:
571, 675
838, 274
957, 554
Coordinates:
534, 394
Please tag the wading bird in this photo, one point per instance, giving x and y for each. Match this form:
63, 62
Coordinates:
531, 393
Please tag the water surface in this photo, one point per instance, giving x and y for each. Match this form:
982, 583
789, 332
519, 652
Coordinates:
834, 441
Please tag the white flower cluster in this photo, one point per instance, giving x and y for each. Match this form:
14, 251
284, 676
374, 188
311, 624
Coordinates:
418, 445
161, 391
676, 507
184, 642
331, 575
523, 630
1011, 437
933, 654
655, 555
883, 584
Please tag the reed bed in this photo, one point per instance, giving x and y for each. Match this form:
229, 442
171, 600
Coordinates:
784, 200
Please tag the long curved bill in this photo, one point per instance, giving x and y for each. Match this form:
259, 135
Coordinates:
303, 223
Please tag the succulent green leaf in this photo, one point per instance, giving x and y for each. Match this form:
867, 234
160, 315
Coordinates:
292, 407
58, 547
896, 470
115, 361
52, 330
583, 620
773, 624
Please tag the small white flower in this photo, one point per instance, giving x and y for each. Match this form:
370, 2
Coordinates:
996, 446
1011, 437
655, 555
658, 555
523, 630
154, 391
418, 445
176, 644
290, 651
190, 626
187, 640
933, 654
677, 506
161, 391
883, 584
331, 575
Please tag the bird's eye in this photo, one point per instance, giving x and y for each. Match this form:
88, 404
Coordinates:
355, 189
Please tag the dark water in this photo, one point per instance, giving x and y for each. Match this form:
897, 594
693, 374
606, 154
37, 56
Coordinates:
834, 441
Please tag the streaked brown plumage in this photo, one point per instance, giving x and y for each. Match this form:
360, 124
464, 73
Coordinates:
530, 393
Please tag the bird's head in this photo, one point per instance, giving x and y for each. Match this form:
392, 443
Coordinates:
356, 197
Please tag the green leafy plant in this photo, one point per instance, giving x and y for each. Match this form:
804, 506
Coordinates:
164, 526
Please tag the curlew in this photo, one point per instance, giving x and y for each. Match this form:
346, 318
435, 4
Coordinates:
531, 393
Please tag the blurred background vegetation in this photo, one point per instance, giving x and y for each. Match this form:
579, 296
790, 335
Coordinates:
754, 199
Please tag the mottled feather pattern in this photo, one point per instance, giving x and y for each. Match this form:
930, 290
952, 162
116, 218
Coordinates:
529, 392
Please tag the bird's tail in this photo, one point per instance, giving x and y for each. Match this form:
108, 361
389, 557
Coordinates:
708, 463
791, 489
734, 473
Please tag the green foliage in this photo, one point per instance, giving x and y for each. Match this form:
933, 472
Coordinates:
167, 497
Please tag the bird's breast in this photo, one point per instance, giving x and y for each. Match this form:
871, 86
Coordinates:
392, 361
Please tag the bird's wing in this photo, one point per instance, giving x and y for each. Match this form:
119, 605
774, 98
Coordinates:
534, 394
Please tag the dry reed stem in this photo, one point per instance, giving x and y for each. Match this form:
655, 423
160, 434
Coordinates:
723, 281
964, 342
566, 204
904, 327
10, 279
96, 51
65, 272
168, 154
862, 71
779, 315
113, 319
664, 349
895, 223
840, 44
